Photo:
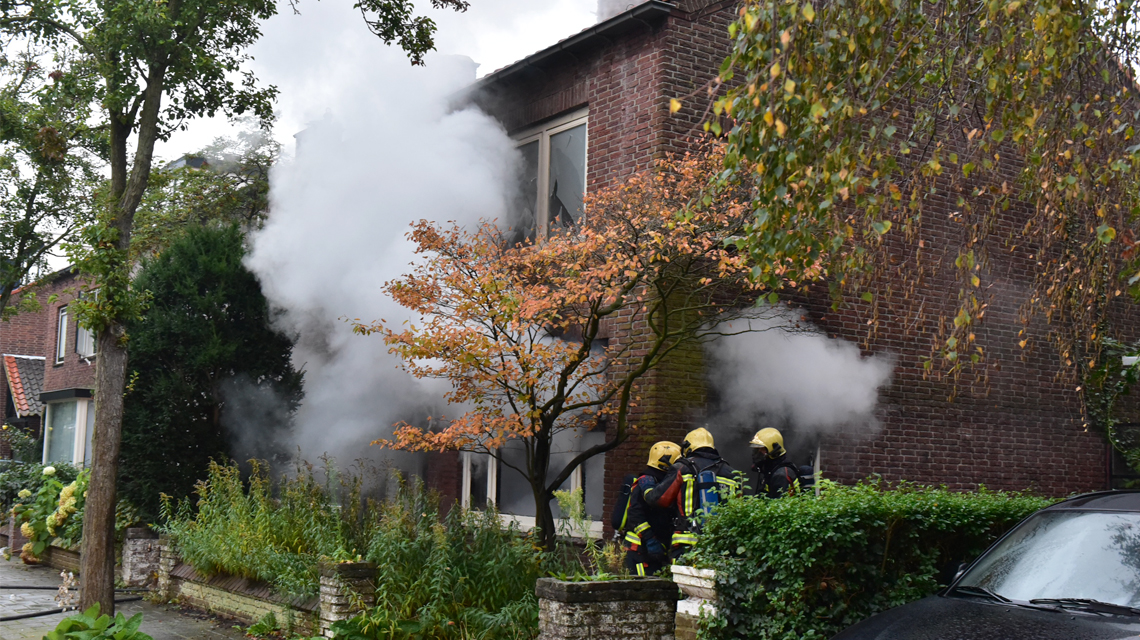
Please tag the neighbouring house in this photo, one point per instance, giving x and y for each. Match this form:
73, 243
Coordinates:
594, 108
49, 372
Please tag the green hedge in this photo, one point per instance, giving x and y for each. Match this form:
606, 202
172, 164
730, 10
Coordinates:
804, 568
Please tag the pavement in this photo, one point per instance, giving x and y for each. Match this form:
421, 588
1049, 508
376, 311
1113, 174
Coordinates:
161, 622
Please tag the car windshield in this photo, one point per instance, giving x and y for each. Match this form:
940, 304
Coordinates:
1065, 554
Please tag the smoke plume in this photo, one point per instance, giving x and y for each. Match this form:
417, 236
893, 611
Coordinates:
387, 152
790, 376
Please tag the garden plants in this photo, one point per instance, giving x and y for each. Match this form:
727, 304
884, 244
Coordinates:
89, 625
803, 567
54, 512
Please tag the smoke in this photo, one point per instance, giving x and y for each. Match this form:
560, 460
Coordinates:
788, 375
387, 152
256, 420
610, 8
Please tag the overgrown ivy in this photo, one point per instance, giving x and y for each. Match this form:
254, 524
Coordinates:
1106, 385
851, 120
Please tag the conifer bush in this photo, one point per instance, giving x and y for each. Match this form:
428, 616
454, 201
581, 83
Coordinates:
805, 568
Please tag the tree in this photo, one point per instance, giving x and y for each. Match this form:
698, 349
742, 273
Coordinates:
224, 183
848, 118
206, 328
515, 329
48, 158
158, 64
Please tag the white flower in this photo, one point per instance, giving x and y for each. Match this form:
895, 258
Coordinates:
24, 493
49, 471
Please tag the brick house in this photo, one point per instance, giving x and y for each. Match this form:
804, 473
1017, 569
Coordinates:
594, 108
49, 373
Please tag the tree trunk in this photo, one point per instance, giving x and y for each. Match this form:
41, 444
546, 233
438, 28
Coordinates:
544, 517
97, 563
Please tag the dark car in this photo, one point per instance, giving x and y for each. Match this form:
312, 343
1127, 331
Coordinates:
1069, 571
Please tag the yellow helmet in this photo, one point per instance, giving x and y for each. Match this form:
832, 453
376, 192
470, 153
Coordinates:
663, 454
696, 439
771, 440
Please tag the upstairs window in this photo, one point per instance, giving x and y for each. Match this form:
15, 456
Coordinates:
552, 182
61, 336
84, 338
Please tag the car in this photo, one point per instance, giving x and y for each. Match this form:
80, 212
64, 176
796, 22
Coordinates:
1071, 570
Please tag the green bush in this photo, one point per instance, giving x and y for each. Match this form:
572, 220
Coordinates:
54, 512
25, 476
463, 576
252, 534
804, 568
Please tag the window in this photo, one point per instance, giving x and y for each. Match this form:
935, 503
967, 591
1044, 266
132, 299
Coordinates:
61, 336
84, 337
70, 425
552, 182
485, 481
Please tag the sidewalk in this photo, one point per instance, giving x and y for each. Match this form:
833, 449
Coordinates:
160, 622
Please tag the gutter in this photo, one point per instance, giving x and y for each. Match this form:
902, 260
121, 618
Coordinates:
643, 14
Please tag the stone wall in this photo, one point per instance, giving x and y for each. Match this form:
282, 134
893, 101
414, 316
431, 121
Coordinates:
641, 609
347, 588
141, 555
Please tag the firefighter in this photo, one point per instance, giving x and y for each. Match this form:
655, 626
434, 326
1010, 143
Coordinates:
646, 530
699, 480
775, 475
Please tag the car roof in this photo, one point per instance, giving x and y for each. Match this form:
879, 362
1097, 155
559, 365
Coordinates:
1101, 501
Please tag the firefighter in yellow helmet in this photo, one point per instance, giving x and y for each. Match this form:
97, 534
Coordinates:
646, 530
776, 476
697, 482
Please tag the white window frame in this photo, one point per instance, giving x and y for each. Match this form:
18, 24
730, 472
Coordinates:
61, 335
542, 134
79, 446
524, 523
468, 458
81, 331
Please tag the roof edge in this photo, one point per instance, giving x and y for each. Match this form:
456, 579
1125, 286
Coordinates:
643, 13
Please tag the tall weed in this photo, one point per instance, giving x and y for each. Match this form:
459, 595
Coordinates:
252, 534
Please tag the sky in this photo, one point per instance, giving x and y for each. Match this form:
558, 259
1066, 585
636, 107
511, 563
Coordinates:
300, 53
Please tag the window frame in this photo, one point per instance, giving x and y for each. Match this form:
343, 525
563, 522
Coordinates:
61, 335
542, 134
79, 445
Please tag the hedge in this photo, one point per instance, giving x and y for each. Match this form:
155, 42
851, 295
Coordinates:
804, 567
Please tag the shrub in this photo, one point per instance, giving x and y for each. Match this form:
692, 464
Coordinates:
20, 476
462, 576
252, 534
53, 513
805, 568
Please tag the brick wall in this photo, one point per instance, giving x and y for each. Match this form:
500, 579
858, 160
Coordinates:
1015, 426
74, 372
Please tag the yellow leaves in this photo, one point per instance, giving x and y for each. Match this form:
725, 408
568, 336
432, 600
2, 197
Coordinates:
674, 105
769, 119
1012, 7
789, 86
809, 12
785, 38
774, 71
781, 128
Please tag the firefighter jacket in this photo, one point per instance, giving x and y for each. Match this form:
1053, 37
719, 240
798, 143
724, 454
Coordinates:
776, 477
647, 529
682, 491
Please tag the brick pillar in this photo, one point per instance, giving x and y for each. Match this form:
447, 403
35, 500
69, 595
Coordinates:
167, 558
347, 588
142, 553
638, 609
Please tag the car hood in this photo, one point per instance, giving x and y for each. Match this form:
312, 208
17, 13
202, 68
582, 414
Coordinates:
940, 618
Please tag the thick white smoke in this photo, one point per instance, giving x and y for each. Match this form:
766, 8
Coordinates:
387, 152
789, 376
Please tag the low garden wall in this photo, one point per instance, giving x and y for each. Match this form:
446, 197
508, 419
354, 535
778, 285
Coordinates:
636, 609
346, 590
